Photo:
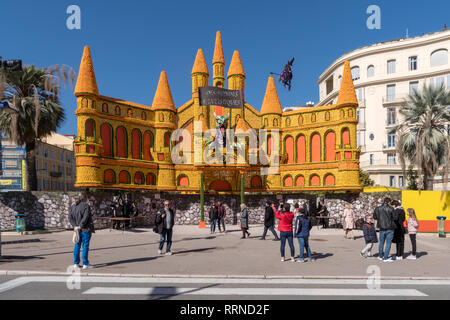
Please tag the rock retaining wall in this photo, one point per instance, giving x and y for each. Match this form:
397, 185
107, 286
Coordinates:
51, 210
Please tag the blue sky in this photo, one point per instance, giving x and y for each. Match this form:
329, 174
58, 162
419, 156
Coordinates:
132, 41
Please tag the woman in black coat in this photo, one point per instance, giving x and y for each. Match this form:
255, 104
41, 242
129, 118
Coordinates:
399, 232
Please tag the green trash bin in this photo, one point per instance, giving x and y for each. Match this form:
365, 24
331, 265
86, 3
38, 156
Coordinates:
20, 222
441, 226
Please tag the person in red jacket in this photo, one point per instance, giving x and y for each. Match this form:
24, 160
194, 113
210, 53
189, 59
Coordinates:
285, 228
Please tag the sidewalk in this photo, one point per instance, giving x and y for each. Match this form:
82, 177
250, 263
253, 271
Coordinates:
198, 253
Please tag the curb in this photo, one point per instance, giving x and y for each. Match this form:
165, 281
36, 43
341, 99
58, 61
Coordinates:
193, 276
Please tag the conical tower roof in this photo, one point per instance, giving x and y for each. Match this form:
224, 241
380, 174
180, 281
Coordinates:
347, 92
271, 103
86, 82
163, 96
200, 63
218, 50
236, 65
242, 125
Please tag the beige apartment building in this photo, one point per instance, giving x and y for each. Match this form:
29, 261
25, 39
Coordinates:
55, 163
384, 74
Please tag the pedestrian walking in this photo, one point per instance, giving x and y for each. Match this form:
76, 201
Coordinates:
399, 232
269, 222
222, 213
81, 219
323, 213
301, 232
349, 221
164, 221
307, 207
370, 236
285, 228
244, 221
413, 227
384, 215
213, 216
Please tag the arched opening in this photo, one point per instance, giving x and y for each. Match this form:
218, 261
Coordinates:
269, 145
150, 179
315, 147
90, 128
220, 185
287, 181
329, 180
256, 182
121, 140
166, 140
345, 137
439, 58
138, 178
300, 181
314, 181
183, 181
148, 145
136, 144
289, 149
301, 149
330, 146
106, 134
109, 176
124, 177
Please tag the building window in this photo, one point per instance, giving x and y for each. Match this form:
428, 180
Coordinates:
61, 156
390, 93
391, 66
391, 159
355, 73
329, 85
360, 94
437, 82
400, 182
413, 86
53, 154
45, 166
391, 140
357, 115
45, 152
439, 57
391, 117
69, 171
69, 158
370, 71
371, 159
391, 181
358, 139
339, 81
412, 63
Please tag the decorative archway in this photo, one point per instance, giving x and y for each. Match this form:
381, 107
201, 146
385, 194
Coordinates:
220, 185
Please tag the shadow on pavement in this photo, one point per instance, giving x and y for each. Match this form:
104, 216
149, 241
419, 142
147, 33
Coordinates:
194, 250
18, 258
108, 264
168, 292
319, 256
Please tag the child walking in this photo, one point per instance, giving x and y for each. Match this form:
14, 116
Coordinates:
370, 236
413, 226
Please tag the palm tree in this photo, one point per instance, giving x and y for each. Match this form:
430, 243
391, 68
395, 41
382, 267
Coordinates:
34, 93
422, 136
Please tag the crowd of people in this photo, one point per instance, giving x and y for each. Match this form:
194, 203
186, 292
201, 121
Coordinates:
390, 216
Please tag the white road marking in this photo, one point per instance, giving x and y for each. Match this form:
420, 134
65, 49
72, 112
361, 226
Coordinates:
255, 291
12, 284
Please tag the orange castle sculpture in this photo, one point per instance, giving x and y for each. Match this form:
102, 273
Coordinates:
125, 145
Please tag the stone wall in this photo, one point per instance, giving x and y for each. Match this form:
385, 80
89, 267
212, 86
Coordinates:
51, 209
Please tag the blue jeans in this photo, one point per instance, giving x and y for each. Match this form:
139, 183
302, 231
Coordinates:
385, 236
166, 233
213, 225
304, 244
221, 223
85, 239
290, 238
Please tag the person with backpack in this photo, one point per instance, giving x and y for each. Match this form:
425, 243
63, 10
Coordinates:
285, 228
413, 227
384, 215
244, 221
164, 222
370, 236
399, 232
302, 231
81, 219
